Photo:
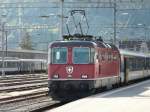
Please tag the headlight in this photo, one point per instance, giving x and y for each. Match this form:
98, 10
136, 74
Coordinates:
84, 76
55, 76
69, 76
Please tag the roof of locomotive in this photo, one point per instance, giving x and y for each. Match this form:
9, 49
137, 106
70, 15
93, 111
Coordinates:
73, 43
83, 43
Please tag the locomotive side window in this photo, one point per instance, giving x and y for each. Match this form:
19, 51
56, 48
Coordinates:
99, 56
92, 54
109, 56
59, 55
112, 57
106, 56
81, 55
103, 56
115, 57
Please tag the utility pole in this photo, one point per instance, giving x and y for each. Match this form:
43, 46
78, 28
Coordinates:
61, 18
115, 10
3, 51
6, 43
20, 23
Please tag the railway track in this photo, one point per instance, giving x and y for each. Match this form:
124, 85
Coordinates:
22, 82
24, 76
34, 101
23, 87
32, 105
24, 93
27, 102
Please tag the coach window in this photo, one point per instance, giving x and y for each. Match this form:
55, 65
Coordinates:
134, 64
59, 55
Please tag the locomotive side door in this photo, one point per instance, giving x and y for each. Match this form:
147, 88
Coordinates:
124, 69
97, 66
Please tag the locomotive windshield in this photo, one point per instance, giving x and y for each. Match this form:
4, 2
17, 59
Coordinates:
59, 55
83, 55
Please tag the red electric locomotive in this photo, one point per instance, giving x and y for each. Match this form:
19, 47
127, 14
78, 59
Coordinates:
81, 65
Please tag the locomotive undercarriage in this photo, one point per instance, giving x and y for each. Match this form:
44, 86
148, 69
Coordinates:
70, 89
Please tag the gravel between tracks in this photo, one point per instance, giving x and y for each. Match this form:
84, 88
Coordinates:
17, 94
28, 105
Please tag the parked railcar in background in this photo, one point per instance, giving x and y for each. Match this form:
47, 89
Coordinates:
14, 65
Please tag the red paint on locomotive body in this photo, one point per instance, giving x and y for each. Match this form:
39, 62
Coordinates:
106, 63
109, 63
76, 69
75, 74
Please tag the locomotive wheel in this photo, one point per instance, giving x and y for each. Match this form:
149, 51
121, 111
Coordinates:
93, 91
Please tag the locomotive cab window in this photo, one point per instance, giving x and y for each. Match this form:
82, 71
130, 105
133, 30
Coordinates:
59, 55
83, 55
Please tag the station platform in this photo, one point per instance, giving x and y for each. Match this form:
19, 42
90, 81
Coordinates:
133, 98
